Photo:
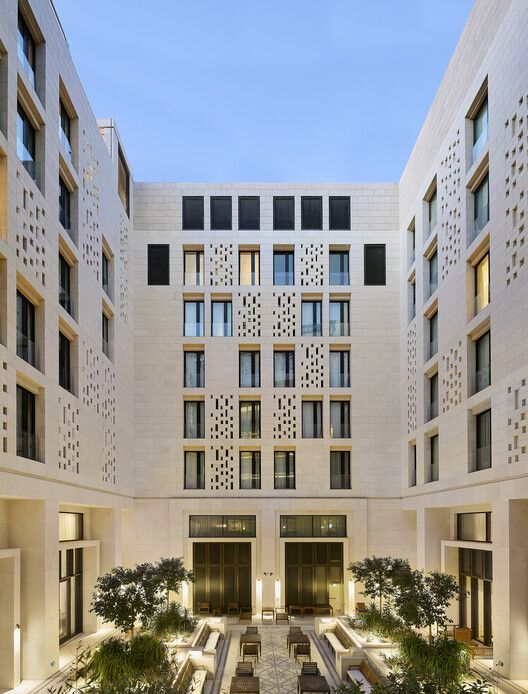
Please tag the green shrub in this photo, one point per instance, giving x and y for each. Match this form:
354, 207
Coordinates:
110, 664
148, 656
384, 624
443, 661
172, 622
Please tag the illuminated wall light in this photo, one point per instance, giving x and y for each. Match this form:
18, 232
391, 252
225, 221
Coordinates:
352, 597
277, 592
185, 594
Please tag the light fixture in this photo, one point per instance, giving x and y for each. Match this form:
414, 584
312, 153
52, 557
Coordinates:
17, 626
268, 573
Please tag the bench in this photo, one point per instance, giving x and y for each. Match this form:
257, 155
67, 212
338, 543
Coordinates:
190, 679
338, 640
212, 641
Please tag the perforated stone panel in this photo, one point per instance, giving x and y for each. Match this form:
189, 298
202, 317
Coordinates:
284, 416
68, 453
284, 314
90, 365
312, 266
4, 410
516, 183
449, 179
221, 264
221, 417
108, 412
223, 468
124, 269
90, 236
249, 314
312, 366
452, 380
517, 418
411, 378
31, 232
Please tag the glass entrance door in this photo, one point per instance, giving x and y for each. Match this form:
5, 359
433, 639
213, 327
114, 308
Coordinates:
314, 574
70, 593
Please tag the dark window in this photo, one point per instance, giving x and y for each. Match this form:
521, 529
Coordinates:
158, 264
481, 213
284, 213
283, 268
284, 369
70, 593
374, 259
340, 470
311, 212
483, 440
106, 335
339, 213
26, 49
249, 419
194, 419
105, 273
474, 527
26, 345
123, 181
434, 460
433, 396
26, 143
339, 271
433, 335
65, 131
249, 469
313, 526
433, 272
65, 284
249, 369
65, 380
193, 318
194, 469
284, 464
249, 212
64, 205
221, 212
193, 212
482, 362
412, 465
312, 419
340, 419
194, 369
222, 526
26, 436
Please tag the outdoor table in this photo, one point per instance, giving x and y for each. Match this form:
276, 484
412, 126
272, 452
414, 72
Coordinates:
268, 612
250, 638
324, 609
246, 684
297, 637
312, 683
295, 608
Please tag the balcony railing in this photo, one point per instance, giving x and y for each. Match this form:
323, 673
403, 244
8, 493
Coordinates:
249, 433
412, 312
32, 168
283, 278
338, 329
66, 301
431, 288
338, 481
339, 278
412, 477
339, 431
106, 347
65, 220
27, 349
107, 290
479, 223
411, 257
431, 226
482, 299
65, 144
479, 144
434, 472
481, 379
311, 329
432, 410
26, 66
193, 329
433, 347
222, 330
284, 382
340, 380
27, 445
482, 458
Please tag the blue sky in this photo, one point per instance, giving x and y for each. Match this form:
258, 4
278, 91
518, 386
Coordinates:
267, 90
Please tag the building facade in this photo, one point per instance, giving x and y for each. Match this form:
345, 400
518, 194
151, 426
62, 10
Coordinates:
270, 380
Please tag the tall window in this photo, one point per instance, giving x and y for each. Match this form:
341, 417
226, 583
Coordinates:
221, 319
65, 299
340, 470
340, 419
123, 181
412, 299
158, 269
249, 212
339, 369
249, 268
481, 206
434, 461
483, 362
194, 469
26, 345
283, 213
433, 396
284, 369
480, 129
432, 211
105, 335
284, 469
433, 335
482, 284
249, 469
339, 319
26, 138
105, 273
249, 369
311, 212
412, 465
65, 131
193, 268
311, 319
194, 368
70, 593
26, 432
65, 380
193, 318
339, 270
283, 268
64, 205
194, 419
249, 411
26, 49
339, 213
312, 419
433, 272
483, 440
374, 264
221, 212
192, 212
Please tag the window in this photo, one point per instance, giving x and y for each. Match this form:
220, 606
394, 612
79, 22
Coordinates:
311, 319
283, 213
339, 319
339, 369
482, 362
340, 419
374, 264
312, 419
221, 319
483, 440
339, 213
65, 131
311, 212
26, 345
70, 593
158, 264
480, 129
249, 268
249, 369
123, 181
480, 207
26, 432
222, 526
70, 526
26, 138
193, 268
193, 318
433, 335
65, 380
221, 212
194, 419
474, 527
284, 469
433, 397
249, 212
432, 264
284, 369
313, 526
193, 212
339, 270
411, 243
26, 49
194, 369
433, 459
283, 268
65, 299
412, 465
64, 205
432, 211
412, 299
106, 335
340, 470
249, 469
194, 470
249, 419
482, 284
105, 273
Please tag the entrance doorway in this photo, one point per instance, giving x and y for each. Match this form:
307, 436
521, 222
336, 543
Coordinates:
475, 593
70, 593
314, 574
222, 574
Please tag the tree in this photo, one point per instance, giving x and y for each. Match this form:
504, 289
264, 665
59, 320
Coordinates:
170, 574
377, 576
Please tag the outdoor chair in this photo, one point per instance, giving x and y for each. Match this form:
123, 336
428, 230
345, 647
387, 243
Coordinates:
232, 608
302, 650
244, 669
204, 608
281, 615
309, 668
251, 650
295, 630
251, 630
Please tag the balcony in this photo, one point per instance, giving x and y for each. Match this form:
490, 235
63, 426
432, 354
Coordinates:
479, 223
481, 379
479, 145
482, 458
338, 329
27, 445
339, 278
27, 349
26, 67
339, 481
340, 380
431, 410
